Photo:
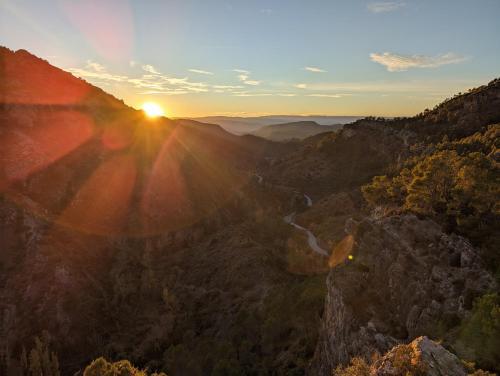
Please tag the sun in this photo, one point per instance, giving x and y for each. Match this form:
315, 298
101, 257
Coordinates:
152, 109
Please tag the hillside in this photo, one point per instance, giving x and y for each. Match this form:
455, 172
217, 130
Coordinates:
186, 249
350, 157
124, 236
245, 125
294, 131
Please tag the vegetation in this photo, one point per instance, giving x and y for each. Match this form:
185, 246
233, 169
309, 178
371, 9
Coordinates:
203, 284
101, 367
40, 361
458, 184
358, 367
403, 363
479, 338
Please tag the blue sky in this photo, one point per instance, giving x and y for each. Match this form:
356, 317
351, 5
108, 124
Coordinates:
257, 57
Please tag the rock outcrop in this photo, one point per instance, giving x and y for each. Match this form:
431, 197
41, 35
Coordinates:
421, 356
406, 279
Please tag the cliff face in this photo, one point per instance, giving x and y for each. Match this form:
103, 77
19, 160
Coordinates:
407, 278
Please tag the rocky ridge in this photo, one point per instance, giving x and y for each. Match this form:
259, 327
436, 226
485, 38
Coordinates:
406, 279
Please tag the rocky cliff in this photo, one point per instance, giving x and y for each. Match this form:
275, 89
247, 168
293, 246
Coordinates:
406, 279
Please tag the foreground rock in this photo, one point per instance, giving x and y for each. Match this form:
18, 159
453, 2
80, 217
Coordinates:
421, 356
406, 279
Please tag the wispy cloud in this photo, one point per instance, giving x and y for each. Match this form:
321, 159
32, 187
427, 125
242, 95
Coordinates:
252, 82
152, 82
251, 94
227, 87
325, 95
95, 66
200, 71
150, 69
97, 72
165, 92
398, 63
437, 86
244, 76
315, 69
300, 86
385, 6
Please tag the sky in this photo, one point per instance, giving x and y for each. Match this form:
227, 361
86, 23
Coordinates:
255, 57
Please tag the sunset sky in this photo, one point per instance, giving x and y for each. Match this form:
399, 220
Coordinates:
202, 57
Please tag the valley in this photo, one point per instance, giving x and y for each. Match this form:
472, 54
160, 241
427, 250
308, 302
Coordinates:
189, 250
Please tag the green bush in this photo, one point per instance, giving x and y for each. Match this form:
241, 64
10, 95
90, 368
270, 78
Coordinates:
479, 338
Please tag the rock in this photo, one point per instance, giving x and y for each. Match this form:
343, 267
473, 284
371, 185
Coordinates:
399, 285
421, 355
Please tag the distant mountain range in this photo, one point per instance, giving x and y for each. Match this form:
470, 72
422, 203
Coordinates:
293, 131
246, 125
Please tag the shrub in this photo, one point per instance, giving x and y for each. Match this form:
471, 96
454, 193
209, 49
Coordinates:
101, 367
479, 338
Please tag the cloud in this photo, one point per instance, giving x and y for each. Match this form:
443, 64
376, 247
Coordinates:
227, 87
244, 77
385, 6
152, 82
149, 68
437, 86
132, 63
95, 66
266, 11
165, 92
250, 94
200, 71
399, 63
326, 95
314, 69
301, 86
252, 82
97, 72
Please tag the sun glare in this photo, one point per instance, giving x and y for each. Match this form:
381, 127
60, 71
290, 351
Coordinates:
152, 109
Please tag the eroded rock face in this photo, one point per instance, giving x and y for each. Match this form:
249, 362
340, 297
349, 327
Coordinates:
424, 356
406, 279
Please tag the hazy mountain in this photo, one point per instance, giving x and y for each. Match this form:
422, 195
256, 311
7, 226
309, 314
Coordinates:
244, 125
189, 250
296, 130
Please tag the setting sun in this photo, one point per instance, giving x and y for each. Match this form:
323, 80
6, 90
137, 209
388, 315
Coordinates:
152, 109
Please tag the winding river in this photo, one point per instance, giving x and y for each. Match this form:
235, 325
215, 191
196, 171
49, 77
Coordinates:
311, 239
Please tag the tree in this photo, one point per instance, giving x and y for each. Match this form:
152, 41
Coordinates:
433, 180
41, 361
377, 192
479, 338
